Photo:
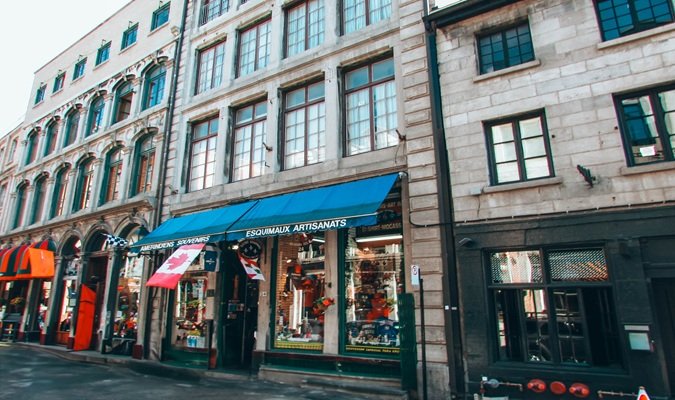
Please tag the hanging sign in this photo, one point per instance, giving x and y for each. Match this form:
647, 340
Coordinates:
415, 274
249, 253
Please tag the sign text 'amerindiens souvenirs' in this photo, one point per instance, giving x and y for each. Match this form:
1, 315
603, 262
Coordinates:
295, 228
175, 243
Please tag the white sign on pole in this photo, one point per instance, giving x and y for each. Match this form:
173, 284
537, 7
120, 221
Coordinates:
415, 274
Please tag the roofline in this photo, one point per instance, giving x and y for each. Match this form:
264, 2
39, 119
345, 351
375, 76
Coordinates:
463, 10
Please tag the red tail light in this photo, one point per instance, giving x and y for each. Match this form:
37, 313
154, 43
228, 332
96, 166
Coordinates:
558, 388
580, 390
537, 385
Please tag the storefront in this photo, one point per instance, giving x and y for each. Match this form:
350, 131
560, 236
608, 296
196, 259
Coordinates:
308, 280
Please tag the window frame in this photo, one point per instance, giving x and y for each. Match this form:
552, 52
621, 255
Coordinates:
259, 62
144, 165
96, 114
254, 122
211, 141
20, 206
370, 85
154, 85
51, 137
112, 180
520, 160
59, 81
103, 53
124, 94
305, 105
40, 94
638, 26
39, 200
160, 16
129, 36
84, 185
366, 15
306, 27
69, 136
211, 64
80, 68
207, 12
60, 191
32, 144
509, 60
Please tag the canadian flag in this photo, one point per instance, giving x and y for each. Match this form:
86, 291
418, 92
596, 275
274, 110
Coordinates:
252, 269
168, 275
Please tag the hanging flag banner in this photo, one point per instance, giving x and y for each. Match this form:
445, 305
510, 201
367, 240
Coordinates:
168, 275
642, 394
249, 254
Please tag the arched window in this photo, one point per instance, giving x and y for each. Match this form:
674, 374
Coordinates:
39, 197
96, 116
123, 96
60, 190
72, 123
51, 138
32, 143
154, 86
85, 182
12, 151
113, 175
20, 209
145, 162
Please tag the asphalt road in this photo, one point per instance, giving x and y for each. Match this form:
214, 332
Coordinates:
27, 374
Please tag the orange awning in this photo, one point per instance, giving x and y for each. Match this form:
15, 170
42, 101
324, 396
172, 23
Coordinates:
9, 262
28, 261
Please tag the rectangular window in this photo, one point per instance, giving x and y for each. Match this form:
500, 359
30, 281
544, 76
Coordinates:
519, 149
304, 26
129, 36
505, 48
113, 176
103, 53
58, 82
212, 9
60, 190
250, 129
79, 68
160, 16
554, 307
254, 48
146, 164
358, 14
203, 154
40, 94
619, 18
305, 126
648, 125
371, 120
210, 67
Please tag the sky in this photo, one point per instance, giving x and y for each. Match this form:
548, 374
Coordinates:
31, 34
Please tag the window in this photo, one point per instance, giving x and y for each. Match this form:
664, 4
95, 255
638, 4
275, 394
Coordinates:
212, 9
79, 68
554, 307
305, 126
123, 96
304, 26
250, 129
254, 48
357, 14
72, 123
85, 182
519, 149
51, 138
39, 197
40, 94
648, 125
154, 86
371, 108
12, 150
129, 36
20, 205
96, 115
60, 190
58, 82
203, 154
210, 68
145, 162
103, 53
113, 175
505, 48
32, 143
160, 16
619, 18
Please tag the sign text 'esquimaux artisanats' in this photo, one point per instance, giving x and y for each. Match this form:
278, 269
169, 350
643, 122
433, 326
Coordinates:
294, 228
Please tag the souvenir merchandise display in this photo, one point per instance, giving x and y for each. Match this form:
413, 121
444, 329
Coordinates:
190, 308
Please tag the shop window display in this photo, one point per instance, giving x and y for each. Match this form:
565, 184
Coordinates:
301, 302
128, 298
190, 328
373, 282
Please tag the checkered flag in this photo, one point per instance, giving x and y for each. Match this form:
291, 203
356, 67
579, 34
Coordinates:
116, 241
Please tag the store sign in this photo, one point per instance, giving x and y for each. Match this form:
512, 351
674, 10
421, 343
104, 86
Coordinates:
175, 243
322, 225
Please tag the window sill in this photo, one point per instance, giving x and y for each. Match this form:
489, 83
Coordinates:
644, 169
38, 103
97, 66
127, 48
79, 78
506, 71
636, 36
556, 180
157, 28
58, 91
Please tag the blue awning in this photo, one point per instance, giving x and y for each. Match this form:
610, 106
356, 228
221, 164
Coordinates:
332, 207
202, 227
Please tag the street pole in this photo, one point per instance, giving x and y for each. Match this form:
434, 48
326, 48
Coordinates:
424, 341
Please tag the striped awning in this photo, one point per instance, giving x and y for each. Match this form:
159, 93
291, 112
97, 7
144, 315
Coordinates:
28, 261
9, 262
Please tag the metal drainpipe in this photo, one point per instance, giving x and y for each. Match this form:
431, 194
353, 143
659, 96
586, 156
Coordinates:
168, 123
451, 295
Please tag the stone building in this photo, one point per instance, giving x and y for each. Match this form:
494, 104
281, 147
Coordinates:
556, 121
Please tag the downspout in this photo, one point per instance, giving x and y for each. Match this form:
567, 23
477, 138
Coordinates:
168, 123
451, 295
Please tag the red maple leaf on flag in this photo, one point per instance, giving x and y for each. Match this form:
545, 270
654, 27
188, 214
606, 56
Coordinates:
176, 261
